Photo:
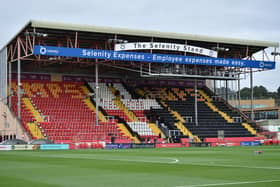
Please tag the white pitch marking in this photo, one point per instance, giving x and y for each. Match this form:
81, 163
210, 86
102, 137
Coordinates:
175, 160
235, 166
230, 183
135, 159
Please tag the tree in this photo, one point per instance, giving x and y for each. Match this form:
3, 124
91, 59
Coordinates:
245, 93
260, 92
278, 92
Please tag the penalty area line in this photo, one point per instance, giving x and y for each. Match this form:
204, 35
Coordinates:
230, 183
162, 160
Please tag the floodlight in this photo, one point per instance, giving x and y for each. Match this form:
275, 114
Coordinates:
220, 49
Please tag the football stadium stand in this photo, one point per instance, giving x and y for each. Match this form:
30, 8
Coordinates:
65, 112
73, 83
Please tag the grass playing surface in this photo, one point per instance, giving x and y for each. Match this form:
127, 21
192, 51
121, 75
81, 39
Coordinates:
169, 167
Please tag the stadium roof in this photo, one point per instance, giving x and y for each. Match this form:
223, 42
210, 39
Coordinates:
146, 33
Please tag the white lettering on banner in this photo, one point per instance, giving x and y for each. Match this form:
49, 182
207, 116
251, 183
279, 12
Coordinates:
43, 51
167, 58
121, 56
93, 53
165, 46
150, 57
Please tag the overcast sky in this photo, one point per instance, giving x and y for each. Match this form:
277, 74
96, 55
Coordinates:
248, 19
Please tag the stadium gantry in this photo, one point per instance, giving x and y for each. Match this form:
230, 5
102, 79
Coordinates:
71, 83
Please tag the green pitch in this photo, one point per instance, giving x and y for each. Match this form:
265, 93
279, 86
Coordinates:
169, 167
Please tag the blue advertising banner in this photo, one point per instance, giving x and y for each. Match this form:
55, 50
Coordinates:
253, 143
118, 146
149, 57
54, 146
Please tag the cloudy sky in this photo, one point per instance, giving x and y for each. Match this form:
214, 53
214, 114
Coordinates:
248, 19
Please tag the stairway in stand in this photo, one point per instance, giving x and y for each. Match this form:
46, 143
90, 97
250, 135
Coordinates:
33, 126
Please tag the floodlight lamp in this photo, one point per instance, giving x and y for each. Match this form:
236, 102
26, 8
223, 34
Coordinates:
220, 49
117, 40
226, 49
41, 34
38, 34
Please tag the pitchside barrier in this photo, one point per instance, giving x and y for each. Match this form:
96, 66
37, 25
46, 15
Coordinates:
87, 145
165, 145
202, 144
145, 145
18, 147
5, 147
96, 146
26, 147
129, 146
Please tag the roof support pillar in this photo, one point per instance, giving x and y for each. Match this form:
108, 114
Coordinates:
252, 94
195, 102
96, 92
18, 83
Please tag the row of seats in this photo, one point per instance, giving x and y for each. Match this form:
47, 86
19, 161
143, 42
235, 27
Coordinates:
103, 90
141, 115
141, 104
25, 114
118, 113
62, 105
141, 128
182, 100
47, 89
137, 106
66, 116
209, 122
225, 107
123, 92
107, 104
